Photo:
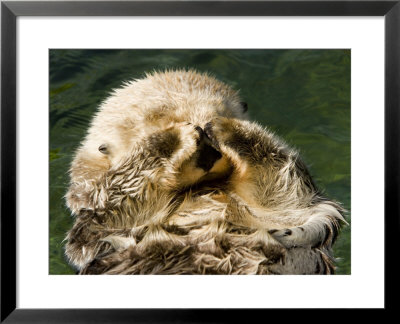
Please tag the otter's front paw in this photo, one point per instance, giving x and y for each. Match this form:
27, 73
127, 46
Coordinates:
82, 195
176, 143
300, 236
219, 131
244, 140
235, 138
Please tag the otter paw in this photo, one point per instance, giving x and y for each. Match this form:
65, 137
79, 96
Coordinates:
219, 131
290, 237
119, 242
190, 137
235, 138
175, 143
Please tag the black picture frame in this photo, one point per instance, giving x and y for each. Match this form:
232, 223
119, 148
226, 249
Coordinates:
10, 10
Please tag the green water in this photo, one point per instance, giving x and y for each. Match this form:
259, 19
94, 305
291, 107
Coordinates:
303, 95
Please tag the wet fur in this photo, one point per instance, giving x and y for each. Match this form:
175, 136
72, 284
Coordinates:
142, 205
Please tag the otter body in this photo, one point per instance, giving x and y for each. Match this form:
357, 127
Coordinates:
173, 179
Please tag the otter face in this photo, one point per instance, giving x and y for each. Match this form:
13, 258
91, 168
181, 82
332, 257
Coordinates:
155, 111
190, 153
143, 108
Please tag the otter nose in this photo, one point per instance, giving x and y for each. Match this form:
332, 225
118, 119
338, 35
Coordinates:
201, 133
207, 155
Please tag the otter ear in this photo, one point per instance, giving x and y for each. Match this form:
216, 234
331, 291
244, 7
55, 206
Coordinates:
244, 106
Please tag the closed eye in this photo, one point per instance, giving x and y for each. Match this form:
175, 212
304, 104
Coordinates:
103, 148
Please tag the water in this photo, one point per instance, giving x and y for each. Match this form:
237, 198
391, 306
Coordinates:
303, 95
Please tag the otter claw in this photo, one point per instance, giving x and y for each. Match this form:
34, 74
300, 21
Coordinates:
210, 134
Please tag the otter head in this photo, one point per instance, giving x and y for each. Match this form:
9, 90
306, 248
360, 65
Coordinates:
143, 109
